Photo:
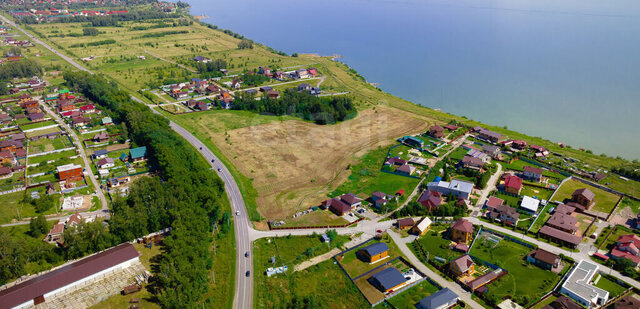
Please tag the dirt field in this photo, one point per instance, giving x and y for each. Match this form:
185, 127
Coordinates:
292, 162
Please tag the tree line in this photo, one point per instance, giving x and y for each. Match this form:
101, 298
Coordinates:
20, 69
186, 196
108, 20
300, 104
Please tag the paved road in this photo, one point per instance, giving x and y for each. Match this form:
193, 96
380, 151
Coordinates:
402, 245
83, 155
36, 40
243, 297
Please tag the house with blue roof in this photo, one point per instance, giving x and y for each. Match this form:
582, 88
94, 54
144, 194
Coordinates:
388, 279
374, 252
124, 157
442, 299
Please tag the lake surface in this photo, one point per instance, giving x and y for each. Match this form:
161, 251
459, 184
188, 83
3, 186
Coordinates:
565, 70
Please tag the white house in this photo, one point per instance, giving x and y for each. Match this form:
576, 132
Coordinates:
579, 288
529, 204
459, 188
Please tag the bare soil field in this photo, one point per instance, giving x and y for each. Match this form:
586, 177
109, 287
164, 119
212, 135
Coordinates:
293, 163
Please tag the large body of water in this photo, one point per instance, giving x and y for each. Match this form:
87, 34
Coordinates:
565, 70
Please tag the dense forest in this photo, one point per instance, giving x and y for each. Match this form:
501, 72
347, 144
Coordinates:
186, 196
300, 104
20, 69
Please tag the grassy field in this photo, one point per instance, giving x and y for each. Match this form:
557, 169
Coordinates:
355, 267
51, 156
12, 208
320, 217
21, 232
604, 201
518, 165
610, 286
409, 298
434, 244
525, 282
543, 194
366, 177
280, 290
545, 302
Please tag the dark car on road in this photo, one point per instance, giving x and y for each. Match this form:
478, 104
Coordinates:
247, 273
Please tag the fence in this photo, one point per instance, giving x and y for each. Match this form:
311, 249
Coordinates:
50, 152
312, 226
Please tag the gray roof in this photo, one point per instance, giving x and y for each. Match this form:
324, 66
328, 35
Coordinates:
376, 248
388, 278
578, 282
437, 299
100, 152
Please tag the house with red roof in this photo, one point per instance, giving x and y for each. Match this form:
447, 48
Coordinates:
430, 199
493, 202
512, 184
87, 109
627, 247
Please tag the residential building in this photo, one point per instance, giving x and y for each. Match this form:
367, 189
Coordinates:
532, 173
273, 94
462, 266
442, 299
560, 237
138, 154
544, 259
87, 109
406, 169
201, 59
519, 144
337, 206
579, 288
351, 199
529, 204
436, 131
564, 222
493, 202
11, 145
462, 231
456, 187
485, 279
430, 199
493, 151
54, 234
471, 162
630, 301
413, 141
80, 121
421, 227
627, 247
374, 252
563, 302
72, 172
395, 161
451, 127
512, 184
101, 137
504, 213
405, 223
36, 117
99, 154
67, 278
105, 163
539, 151
583, 197
490, 136
388, 280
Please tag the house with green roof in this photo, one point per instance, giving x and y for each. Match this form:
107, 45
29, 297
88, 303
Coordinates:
124, 157
138, 154
107, 121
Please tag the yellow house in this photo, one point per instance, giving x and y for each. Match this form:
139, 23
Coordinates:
462, 231
374, 252
462, 266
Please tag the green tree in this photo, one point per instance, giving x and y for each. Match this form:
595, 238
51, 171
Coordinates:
37, 226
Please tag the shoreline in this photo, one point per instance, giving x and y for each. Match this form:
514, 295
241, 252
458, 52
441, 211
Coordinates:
546, 130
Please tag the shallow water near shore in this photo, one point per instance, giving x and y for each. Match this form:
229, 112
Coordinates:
568, 71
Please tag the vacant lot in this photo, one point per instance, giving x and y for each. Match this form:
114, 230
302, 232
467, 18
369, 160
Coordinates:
604, 201
410, 297
293, 163
525, 282
324, 284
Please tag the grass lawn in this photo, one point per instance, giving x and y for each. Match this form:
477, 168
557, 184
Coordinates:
278, 291
630, 187
627, 202
366, 177
525, 282
407, 299
545, 302
540, 193
52, 156
543, 216
42, 132
458, 154
518, 165
435, 245
356, 267
512, 201
319, 217
604, 201
610, 286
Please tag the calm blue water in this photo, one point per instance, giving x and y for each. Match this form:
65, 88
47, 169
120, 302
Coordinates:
565, 70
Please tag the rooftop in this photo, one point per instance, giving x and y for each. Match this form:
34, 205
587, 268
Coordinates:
579, 282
